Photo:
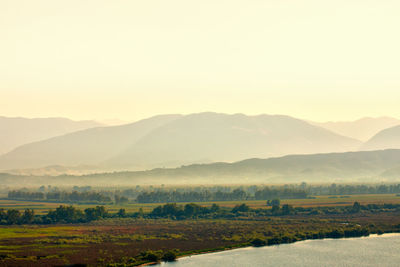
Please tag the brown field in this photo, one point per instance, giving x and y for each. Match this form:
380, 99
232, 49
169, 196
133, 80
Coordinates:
108, 241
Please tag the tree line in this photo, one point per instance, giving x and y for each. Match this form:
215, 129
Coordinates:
266, 193
197, 193
63, 196
194, 211
71, 214
226, 193
340, 189
62, 214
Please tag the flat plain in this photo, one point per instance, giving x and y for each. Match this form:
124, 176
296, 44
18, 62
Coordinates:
125, 241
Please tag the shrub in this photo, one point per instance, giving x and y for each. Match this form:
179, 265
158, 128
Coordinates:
150, 256
257, 242
169, 256
241, 208
336, 234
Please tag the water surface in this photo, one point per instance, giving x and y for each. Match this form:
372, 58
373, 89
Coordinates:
371, 251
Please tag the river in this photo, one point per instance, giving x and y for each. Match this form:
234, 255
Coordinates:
371, 251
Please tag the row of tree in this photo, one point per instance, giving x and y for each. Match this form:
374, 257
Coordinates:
174, 211
70, 214
338, 189
62, 214
196, 193
206, 196
335, 233
282, 191
63, 196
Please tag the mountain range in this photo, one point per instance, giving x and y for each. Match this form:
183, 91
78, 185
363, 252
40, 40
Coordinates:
362, 129
363, 166
354, 167
385, 139
86, 147
15, 132
175, 140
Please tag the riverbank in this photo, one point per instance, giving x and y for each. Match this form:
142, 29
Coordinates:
306, 250
352, 231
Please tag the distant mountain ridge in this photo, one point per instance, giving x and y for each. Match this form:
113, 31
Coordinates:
210, 137
15, 132
362, 129
86, 147
173, 140
355, 167
348, 166
386, 139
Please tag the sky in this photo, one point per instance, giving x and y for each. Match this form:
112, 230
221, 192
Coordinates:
129, 59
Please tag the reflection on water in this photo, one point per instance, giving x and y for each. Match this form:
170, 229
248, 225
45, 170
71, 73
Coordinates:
366, 251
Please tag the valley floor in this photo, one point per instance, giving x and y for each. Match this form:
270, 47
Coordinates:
121, 242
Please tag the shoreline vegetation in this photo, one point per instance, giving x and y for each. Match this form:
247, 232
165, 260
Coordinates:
371, 235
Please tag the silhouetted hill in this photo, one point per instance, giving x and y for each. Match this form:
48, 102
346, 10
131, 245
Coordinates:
173, 140
15, 132
386, 139
347, 167
210, 137
362, 129
85, 147
353, 167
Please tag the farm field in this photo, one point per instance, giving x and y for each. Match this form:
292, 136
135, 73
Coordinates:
326, 200
129, 241
123, 240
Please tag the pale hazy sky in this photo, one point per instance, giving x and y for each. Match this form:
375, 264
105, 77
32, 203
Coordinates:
312, 59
